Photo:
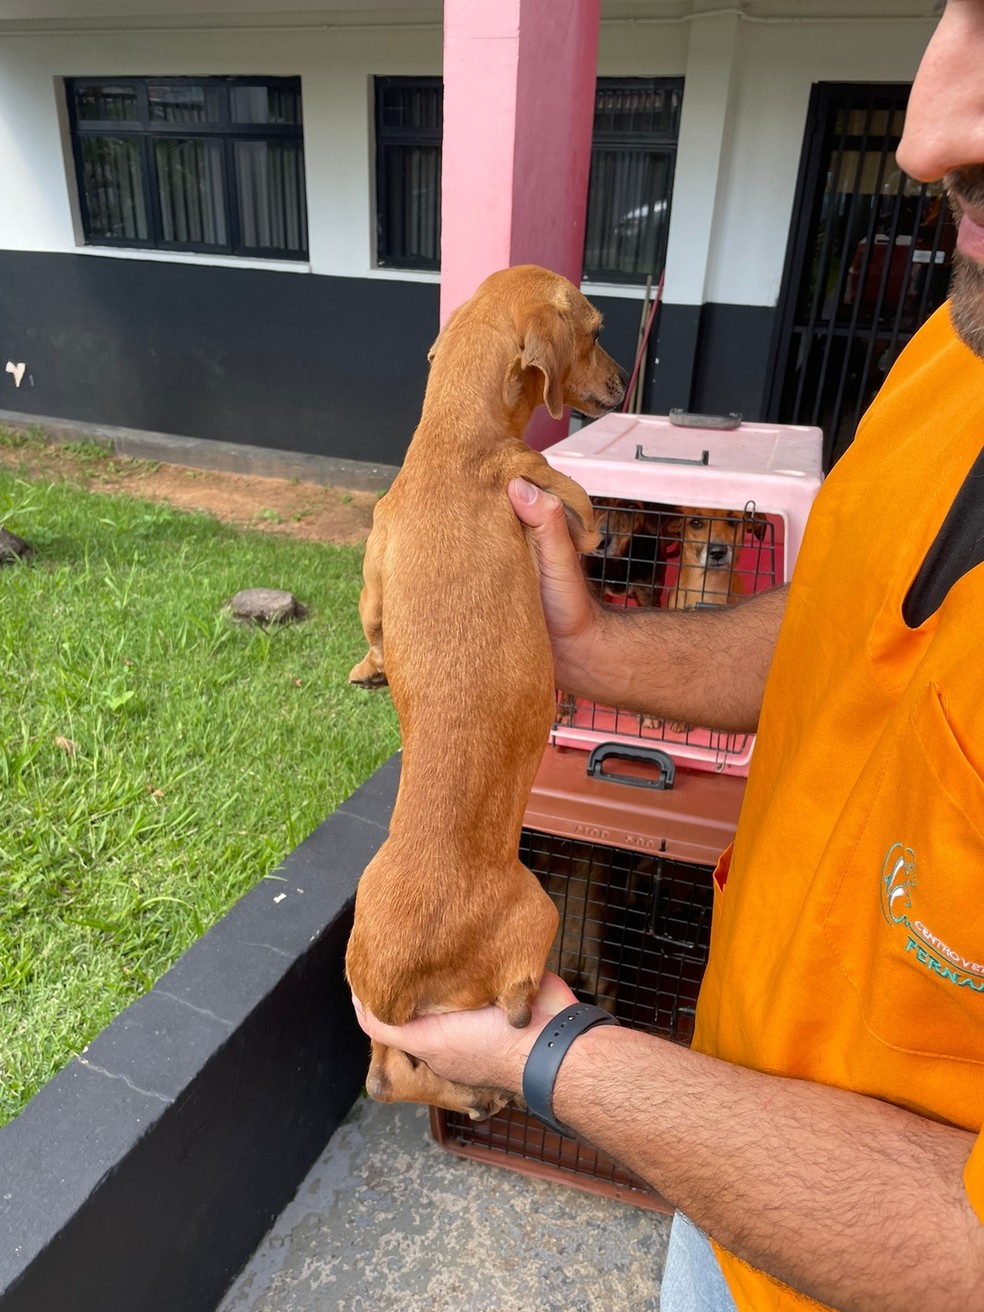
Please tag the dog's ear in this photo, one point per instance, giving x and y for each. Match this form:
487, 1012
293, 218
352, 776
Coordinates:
548, 345
673, 527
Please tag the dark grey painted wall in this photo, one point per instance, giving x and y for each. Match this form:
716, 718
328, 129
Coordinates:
332, 366
734, 360
713, 359
297, 362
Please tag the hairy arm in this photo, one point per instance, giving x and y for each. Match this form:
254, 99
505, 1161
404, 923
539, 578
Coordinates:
703, 667
852, 1201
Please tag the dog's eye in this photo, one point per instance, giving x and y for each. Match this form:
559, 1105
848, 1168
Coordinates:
697, 524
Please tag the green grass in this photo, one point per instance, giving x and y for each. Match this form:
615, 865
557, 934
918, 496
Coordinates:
156, 759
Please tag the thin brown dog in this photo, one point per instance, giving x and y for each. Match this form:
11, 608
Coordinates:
446, 916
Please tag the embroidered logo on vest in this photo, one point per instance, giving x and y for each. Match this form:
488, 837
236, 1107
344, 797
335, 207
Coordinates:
898, 884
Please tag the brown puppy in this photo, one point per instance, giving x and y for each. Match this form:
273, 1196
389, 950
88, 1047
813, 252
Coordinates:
709, 544
627, 567
446, 916
630, 562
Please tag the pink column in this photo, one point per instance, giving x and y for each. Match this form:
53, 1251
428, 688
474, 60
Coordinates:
519, 90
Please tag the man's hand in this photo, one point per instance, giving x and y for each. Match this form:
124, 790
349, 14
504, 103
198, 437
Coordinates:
479, 1048
574, 618
704, 667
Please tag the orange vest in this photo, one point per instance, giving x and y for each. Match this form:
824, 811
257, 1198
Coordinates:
848, 932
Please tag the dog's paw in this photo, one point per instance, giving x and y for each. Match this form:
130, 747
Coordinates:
372, 683
484, 1107
368, 675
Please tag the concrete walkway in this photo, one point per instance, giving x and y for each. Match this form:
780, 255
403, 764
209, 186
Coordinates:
389, 1221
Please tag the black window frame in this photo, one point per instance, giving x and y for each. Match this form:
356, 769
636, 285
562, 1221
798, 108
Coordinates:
145, 132
660, 141
657, 141
390, 137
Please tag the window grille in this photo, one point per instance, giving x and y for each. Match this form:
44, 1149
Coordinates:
868, 262
633, 155
409, 125
636, 125
199, 164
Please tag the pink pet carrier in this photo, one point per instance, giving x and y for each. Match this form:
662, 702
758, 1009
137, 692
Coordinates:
694, 511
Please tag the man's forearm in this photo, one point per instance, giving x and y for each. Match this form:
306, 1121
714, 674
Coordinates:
705, 667
853, 1201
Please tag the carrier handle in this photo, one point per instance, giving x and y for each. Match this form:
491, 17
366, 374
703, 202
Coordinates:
687, 419
704, 459
630, 752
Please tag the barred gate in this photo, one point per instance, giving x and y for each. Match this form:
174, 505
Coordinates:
868, 262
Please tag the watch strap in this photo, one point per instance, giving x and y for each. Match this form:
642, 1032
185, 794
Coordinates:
548, 1052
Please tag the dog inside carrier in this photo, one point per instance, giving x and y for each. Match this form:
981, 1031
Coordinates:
660, 556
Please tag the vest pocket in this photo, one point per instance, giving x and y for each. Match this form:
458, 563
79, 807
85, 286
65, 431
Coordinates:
906, 920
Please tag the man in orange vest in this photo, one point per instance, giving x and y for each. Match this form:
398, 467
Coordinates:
824, 1131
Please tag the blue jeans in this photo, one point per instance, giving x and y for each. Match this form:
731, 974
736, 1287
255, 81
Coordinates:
692, 1278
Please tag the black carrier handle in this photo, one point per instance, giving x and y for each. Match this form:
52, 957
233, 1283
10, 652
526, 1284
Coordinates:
686, 419
703, 459
629, 752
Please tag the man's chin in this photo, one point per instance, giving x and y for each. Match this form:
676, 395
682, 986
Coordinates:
967, 302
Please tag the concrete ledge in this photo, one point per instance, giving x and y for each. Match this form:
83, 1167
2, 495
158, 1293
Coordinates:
145, 1173
202, 453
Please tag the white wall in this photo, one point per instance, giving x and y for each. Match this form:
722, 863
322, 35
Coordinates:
744, 112
335, 65
777, 67
747, 89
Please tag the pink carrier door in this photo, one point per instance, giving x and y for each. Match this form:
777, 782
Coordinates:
625, 844
695, 511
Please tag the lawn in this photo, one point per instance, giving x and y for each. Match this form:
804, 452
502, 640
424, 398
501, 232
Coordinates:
156, 758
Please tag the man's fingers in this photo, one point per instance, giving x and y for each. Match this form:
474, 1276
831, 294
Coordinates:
369, 1023
537, 509
546, 515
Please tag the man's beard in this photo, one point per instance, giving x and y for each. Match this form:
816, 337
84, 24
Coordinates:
967, 302
967, 285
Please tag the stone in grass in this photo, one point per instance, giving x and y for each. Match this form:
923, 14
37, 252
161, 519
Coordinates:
13, 548
265, 606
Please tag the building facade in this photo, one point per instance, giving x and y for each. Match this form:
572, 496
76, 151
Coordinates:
225, 223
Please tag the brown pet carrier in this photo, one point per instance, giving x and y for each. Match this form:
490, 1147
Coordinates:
625, 843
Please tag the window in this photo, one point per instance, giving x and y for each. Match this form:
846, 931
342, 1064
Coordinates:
633, 154
409, 124
191, 164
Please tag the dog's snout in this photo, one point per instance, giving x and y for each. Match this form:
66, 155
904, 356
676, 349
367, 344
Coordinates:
718, 553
